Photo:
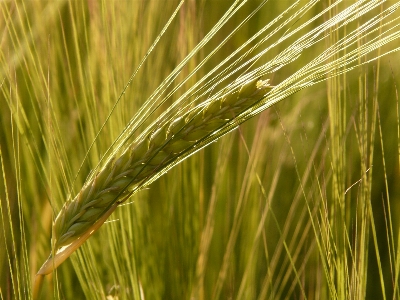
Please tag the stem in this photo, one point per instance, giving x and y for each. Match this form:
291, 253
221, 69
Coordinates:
53, 262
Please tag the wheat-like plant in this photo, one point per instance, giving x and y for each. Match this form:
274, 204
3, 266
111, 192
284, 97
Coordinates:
211, 108
124, 174
181, 131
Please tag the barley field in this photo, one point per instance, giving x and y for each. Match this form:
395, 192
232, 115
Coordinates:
199, 149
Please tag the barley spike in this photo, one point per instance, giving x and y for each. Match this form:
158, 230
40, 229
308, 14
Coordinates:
120, 176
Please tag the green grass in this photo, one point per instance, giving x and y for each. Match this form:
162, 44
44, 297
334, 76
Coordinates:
301, 201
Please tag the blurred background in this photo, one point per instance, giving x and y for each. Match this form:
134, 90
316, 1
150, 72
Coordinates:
301, 201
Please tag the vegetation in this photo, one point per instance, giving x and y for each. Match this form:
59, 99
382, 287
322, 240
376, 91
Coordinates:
100, 98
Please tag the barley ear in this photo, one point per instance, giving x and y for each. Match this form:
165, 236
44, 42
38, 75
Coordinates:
139, 164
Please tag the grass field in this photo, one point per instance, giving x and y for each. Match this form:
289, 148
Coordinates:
300, 201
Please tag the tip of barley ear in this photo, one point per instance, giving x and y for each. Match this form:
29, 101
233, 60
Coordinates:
264, 84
